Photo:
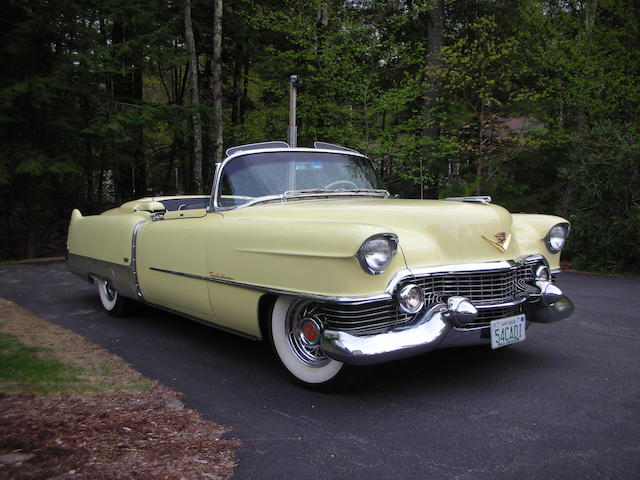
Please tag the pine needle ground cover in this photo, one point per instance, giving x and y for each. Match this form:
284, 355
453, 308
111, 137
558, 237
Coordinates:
69, 409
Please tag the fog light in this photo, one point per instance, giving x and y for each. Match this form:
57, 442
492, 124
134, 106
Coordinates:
411, 299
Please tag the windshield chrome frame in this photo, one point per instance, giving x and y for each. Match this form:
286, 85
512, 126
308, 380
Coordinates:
213, 202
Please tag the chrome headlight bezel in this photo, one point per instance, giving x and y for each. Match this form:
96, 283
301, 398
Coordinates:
557, 237
372, 246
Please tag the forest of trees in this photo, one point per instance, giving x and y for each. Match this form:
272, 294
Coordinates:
534, 102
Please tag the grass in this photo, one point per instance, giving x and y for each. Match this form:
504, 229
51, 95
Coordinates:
41, 357
33, 369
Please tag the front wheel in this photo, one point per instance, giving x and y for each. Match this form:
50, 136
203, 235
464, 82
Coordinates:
295, 331
112, 302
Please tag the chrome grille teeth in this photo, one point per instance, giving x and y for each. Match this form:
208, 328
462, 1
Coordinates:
483, 287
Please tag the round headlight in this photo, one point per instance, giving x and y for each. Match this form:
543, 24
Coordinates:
556, 237
410, 299
376, 253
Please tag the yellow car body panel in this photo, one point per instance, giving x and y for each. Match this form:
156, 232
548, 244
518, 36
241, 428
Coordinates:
306, 246
245, 255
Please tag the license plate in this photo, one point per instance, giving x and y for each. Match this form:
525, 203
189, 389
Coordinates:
506, 331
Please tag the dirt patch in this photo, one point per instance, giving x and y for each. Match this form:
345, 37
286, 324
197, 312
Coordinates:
127, 427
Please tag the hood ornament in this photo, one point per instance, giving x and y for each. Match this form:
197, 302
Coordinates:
501, 243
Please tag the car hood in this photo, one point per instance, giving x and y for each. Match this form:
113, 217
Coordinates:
431, 232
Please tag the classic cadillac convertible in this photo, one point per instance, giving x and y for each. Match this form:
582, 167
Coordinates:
303, 247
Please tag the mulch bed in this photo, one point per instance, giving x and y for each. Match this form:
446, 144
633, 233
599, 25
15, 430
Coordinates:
123, 435
129, 427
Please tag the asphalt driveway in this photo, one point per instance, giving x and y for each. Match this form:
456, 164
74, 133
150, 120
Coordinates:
563, 404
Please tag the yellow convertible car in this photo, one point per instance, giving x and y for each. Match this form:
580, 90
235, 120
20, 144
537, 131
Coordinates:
303, 247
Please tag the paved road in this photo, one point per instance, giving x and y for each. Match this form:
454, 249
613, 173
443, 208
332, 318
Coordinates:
564, 404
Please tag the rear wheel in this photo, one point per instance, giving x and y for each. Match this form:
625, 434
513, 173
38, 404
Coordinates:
295, 331
112, 302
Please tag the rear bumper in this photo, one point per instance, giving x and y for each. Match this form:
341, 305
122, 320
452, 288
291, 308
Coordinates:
438, 327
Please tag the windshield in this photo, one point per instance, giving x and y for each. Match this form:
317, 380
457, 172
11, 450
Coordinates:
252, 176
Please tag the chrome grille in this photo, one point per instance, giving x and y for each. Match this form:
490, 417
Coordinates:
367, 319
482, 287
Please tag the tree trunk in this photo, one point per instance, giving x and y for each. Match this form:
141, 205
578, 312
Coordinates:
216, 81
237, 70
245, 89
139, 167
433, 63
195, 99
434, 27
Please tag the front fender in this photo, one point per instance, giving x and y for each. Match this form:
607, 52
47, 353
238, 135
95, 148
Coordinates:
314, 257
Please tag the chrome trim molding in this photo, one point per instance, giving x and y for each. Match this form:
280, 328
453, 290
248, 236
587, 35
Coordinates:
483, 199
355, 300
213, 202
134, 256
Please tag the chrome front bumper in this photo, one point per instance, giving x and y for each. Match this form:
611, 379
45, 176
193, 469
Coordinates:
439, 327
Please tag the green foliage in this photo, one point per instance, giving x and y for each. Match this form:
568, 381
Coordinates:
604, 198
94, 104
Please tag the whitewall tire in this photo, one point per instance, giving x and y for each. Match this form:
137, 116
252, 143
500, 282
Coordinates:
295, 331
112, 302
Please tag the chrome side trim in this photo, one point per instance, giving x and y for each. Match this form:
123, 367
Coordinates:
355, 300
134, 251
483, 199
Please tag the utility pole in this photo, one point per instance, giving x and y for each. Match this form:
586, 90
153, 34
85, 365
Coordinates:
294, 82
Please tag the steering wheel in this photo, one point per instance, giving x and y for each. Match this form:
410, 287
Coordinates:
347, 183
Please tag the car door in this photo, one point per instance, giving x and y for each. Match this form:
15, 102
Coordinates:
172, 261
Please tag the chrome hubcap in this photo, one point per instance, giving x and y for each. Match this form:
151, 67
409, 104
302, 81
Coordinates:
303, 334
108, 290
